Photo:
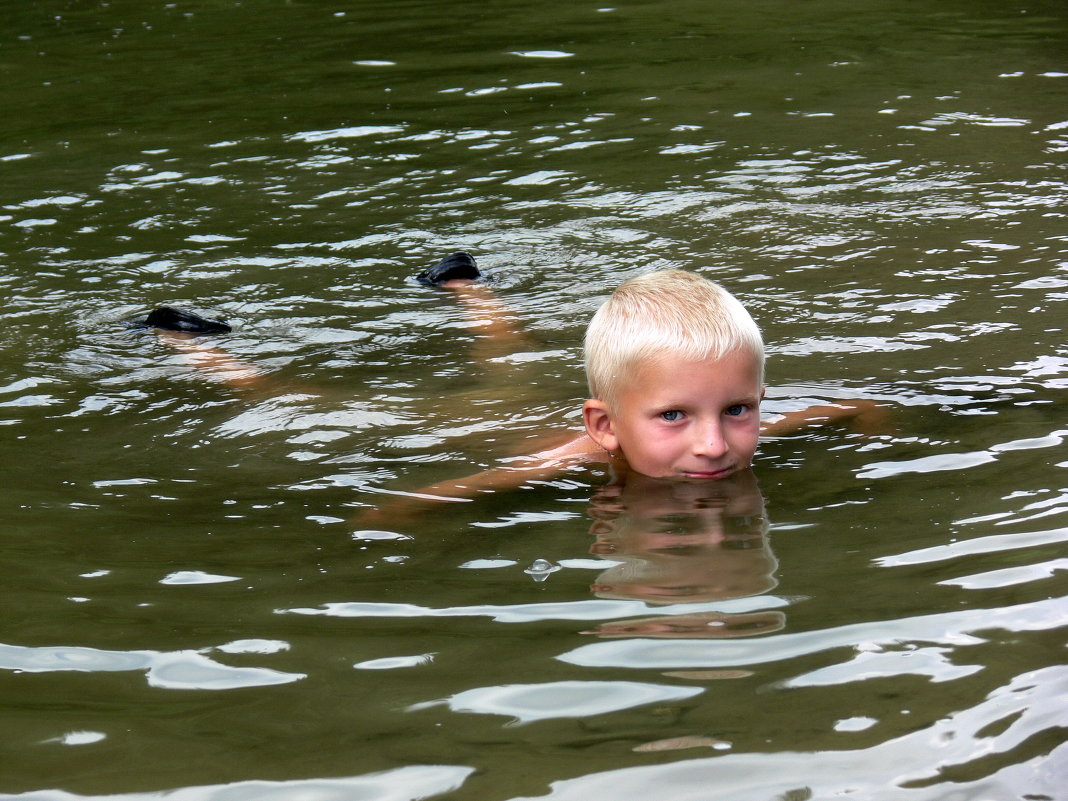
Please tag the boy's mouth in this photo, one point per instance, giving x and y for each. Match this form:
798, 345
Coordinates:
709, 474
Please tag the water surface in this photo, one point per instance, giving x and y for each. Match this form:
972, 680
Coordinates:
195, 608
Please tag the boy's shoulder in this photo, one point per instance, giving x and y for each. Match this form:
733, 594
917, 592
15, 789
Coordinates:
579, 447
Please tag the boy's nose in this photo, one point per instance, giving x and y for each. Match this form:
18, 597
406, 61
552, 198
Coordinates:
709, 441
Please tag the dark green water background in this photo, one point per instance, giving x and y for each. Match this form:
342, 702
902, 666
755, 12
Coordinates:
189, 615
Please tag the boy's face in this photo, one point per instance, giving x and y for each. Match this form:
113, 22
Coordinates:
679, 419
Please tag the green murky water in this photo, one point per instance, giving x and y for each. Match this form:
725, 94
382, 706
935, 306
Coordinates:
877, 616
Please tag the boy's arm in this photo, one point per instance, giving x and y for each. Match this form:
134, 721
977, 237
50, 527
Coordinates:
540, 466
511, 476
864, 416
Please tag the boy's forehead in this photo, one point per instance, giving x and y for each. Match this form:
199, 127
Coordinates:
664, 369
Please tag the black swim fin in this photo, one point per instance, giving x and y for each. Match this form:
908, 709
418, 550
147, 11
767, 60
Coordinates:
453, 266
168, 318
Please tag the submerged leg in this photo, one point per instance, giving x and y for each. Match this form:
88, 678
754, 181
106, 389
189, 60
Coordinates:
179, 328
498, 332
212, 361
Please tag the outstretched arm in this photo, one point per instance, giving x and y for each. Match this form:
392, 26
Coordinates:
540, 466
864, 416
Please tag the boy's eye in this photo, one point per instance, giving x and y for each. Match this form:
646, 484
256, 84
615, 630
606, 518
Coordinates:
736, 409
671, 416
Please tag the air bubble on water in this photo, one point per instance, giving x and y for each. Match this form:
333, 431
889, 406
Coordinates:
540, 569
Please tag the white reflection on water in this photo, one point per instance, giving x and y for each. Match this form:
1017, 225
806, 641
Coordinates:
344, 133
951, 628
542, 53
520, 613
927, 464
175, 670
933, 662
858, 723
253, 646
393, 662
560, 699
1009, 576
959, 461
978, 545
404, 784
196, 577
78, 738
908, 767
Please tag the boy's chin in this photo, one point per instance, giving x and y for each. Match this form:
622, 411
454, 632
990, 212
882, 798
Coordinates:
688, 475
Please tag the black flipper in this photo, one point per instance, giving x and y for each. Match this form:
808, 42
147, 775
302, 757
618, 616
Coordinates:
453, 266
168, 318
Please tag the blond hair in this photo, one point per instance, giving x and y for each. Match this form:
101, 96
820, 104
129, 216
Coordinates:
668, 312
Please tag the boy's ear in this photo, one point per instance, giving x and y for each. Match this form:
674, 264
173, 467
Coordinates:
763, 392
599, 424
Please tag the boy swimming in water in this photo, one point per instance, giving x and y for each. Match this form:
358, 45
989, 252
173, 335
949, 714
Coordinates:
675, 366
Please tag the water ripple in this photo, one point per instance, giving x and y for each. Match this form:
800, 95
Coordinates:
177, 670
973, 744
950, 628
409, 783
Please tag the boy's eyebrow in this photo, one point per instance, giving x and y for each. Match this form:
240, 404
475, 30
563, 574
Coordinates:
670, 404
753, 397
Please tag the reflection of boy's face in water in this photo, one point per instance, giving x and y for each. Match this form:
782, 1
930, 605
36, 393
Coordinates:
684, 542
